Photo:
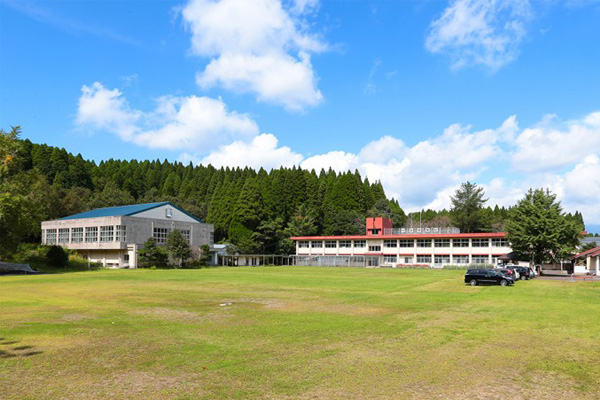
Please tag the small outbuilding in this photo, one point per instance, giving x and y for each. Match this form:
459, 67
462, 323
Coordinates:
587, 261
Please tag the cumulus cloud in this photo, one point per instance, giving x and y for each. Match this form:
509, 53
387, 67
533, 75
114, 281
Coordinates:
337, 160
420, 174
552, 144
176, 123
505, 160
581, 188
257, 46
480, 32
261, 151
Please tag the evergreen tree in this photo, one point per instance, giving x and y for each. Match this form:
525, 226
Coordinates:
539, 229
178, 247
205, 256
151, 254
467, 205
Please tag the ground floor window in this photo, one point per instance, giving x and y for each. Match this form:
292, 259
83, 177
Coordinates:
424, 259
407, 259
480, 259
460, 259
442, 259
389, 259
372, 261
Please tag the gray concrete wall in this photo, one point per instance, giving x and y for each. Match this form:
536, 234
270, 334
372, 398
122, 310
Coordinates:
160, 213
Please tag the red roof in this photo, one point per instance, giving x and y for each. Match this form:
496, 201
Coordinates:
588, 253
418, 236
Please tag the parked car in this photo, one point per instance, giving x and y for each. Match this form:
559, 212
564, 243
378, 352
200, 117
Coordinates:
534, 273
506, 271
475, 277
524, 272
513, 268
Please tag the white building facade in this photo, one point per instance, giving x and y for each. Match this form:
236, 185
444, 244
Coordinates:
113, 235
381, 247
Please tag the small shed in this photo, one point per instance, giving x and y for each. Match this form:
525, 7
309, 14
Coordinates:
587, 261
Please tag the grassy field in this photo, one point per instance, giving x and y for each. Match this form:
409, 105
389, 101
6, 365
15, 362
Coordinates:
295, 333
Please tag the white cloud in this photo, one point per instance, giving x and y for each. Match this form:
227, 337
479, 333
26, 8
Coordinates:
303, 6
337, 160
107, 109
416, 175
480, 32
551, 145
261, 151
427, 173
198, 123
582, 184
258, 47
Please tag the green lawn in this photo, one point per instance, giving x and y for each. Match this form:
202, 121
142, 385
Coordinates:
295, 333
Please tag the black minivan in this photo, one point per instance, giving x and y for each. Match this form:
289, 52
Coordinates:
475, 277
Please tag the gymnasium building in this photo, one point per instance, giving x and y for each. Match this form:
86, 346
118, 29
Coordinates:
112, 236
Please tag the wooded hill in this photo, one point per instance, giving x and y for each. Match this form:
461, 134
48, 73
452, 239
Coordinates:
255, 210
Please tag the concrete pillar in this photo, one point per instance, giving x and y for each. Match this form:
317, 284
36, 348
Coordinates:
597, 265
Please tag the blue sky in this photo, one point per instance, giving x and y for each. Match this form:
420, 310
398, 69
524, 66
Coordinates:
421, 95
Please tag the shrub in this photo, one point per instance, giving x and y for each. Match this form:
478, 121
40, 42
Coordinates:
57, 256
457, 266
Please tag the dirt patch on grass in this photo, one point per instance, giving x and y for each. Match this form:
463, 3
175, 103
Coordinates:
143, 385
77, 317
323, 307
122, 385
168, 314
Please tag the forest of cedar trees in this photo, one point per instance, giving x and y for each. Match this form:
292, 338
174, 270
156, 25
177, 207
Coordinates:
256, 211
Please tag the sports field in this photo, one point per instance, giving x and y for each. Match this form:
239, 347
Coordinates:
295, 333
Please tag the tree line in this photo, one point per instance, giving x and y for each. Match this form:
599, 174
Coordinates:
256, 211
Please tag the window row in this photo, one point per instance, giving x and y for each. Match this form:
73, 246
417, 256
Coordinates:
89, 234
427, 259
160, 235
393, 243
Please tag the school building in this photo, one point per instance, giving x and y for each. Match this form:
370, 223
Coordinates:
384, 246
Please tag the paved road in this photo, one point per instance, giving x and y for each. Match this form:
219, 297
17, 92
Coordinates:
577, 278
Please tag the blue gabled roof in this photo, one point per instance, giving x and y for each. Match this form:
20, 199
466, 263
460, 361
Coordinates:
119, 211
